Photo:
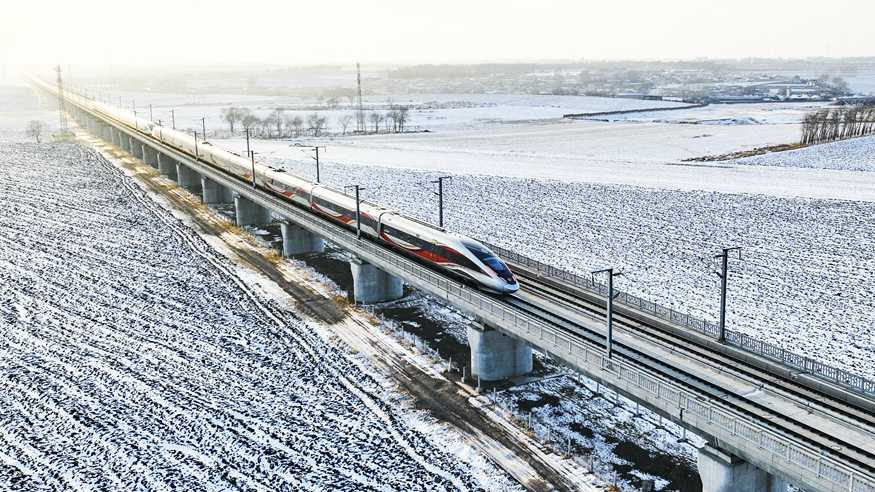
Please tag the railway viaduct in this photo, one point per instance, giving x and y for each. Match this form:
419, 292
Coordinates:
770, 417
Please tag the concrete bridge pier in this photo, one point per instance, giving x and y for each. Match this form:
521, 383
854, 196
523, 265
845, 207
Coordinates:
134, 147
150, 156
496, 356
124, 141
370, 284
214, 192
167, 167
113, 137
188, 178
250, 213
299, 241
723, 472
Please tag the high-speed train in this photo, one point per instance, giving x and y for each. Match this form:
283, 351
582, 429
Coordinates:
463, 257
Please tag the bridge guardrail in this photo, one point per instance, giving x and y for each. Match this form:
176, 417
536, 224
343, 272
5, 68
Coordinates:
745, 342
807, 464
749, 435
710, 416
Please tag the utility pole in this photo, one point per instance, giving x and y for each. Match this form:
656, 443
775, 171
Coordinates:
204, 127
247, 142
610, 313
62, 118
196, 154
724, 277
315, 148
150, 113
360, 119
252, 155
358, 212
173, 119
317, 165
440, 195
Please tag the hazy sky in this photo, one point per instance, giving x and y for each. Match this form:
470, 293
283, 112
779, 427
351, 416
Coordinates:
435, 31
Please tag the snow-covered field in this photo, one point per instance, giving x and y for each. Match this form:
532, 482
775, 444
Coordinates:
804, 260
726, 114
512, 142
428, 111
856, 154
134, 357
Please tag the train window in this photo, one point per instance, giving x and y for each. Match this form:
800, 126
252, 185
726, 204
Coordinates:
489, 259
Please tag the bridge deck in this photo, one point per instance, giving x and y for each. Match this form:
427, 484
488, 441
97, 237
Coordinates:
798, 416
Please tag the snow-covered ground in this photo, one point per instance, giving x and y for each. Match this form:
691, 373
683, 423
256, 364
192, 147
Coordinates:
856, 154
566, 411
726, 114
804, 260
134, 356
646, 155
645, 152
428, 111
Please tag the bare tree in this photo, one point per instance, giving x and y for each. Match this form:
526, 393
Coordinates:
316, 124
297, 124
288, 124
344, 122
376, 118
232, 116
269, 122
35, 129
840, 85
248, 119
403, 115
827, 125
278, 120
393, 115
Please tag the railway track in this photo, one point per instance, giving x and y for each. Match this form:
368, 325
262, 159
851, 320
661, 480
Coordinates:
861, 452
829, 405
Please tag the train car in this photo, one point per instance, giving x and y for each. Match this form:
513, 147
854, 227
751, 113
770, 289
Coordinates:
458, 255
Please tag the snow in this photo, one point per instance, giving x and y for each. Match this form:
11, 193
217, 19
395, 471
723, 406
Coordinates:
136, 357
717, 114
640, 154
428, 111
603, 428
803, 259
856, 154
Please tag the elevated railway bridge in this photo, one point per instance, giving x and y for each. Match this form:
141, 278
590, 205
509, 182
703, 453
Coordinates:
770, 417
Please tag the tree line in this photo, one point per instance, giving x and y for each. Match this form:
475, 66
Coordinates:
278, 124
831, 124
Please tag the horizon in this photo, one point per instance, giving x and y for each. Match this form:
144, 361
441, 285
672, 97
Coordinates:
403, 33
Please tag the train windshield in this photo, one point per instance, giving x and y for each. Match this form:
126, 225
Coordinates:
493, 262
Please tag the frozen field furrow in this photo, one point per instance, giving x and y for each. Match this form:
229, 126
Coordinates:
135, 358
855, 154
804, 280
